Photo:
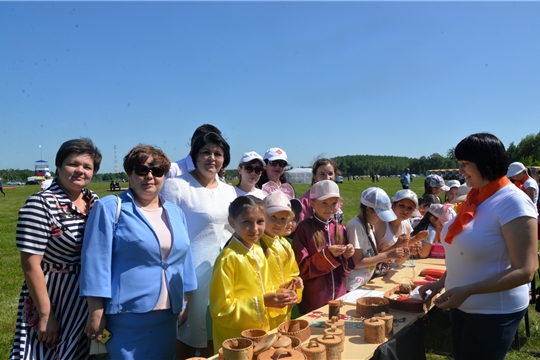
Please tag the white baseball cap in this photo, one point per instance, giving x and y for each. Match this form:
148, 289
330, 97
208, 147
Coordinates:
252, 155
323, 190
453, 184
276, 202
463, 190
515, 168
275, 154
406, 194
47, 174
377, 199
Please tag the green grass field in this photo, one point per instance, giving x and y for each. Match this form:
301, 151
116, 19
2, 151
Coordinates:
436, 324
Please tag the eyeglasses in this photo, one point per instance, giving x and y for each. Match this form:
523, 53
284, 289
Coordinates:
280, 163
143, 170
249, 169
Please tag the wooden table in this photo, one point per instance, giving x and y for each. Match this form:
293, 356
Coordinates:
355, 345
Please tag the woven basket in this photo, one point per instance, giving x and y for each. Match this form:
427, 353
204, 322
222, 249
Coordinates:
298, 328
369, 306
412, 305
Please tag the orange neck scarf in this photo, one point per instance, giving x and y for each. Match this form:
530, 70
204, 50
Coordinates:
521, 183
467, 208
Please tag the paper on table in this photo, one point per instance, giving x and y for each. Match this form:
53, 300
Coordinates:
351, 297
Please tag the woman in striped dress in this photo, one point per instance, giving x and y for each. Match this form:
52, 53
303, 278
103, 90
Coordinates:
51, 315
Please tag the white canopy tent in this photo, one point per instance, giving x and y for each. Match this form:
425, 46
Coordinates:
298, 176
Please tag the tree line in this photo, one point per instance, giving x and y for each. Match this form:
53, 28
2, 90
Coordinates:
527, 151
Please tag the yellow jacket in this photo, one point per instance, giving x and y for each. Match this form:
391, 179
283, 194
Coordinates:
282, 267
236, 292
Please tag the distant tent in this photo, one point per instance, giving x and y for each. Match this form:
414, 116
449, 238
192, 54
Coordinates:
298, 176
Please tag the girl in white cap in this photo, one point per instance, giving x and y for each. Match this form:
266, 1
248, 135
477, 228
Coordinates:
322, 250
433, 221
452, 192
250, 168
522, 179
375, 206
276, 162
396, 233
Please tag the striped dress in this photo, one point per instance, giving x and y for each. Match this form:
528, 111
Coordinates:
51, 226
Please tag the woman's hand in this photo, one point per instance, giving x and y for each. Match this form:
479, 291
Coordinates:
435, 287
47, 330
452, 298
280, 299
182, 317
96, 319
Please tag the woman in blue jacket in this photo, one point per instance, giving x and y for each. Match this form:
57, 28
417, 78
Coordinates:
136, 264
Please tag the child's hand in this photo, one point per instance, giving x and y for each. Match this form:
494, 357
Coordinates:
337, 250
416, 248
349, 251
396, 253
402, 241
298, 282
422, 235
280, 299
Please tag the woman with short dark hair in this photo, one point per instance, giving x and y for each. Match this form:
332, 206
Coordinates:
491, 254
136, 264
205, 201
51, 315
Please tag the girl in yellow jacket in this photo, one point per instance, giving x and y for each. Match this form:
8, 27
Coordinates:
240, 293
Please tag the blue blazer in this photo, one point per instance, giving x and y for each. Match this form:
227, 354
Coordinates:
125, 266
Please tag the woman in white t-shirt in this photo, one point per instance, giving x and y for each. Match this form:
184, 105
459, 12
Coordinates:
375, 206
250, 168
491, 254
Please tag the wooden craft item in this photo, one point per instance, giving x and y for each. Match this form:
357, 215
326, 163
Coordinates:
265, 343
295, 342
254, 335
299, 328
281, 354
388, 322
369, 306
283, 342
333, 308
237, 349
337, 332
374, 331
332, 344
314, 350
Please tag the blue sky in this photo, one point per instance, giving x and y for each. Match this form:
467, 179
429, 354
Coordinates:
333, 78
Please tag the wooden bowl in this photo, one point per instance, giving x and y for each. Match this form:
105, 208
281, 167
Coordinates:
369, 306
298, 328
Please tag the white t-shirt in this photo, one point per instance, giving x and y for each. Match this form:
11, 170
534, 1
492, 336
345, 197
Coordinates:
257, 193
530, 182
46, 183
357, 236
180, 167
479, 252
432, 233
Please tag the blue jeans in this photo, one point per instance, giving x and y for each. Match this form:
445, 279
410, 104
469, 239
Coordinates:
483, 336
